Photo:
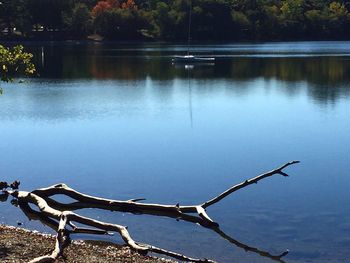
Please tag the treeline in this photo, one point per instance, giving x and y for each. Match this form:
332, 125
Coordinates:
215, 20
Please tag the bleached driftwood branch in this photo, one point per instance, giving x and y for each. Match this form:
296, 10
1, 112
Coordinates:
62, 219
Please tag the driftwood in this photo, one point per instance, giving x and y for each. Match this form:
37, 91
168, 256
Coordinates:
62, 218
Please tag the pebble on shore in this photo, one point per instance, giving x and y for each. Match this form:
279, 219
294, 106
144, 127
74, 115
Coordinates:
20, 245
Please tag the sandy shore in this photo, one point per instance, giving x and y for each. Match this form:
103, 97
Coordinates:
20, 245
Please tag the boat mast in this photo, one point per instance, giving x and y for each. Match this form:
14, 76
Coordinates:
189, 29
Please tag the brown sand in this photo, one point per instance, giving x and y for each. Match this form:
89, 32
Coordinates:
20, 245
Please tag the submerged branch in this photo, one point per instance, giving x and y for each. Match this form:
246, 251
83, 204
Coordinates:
62, 219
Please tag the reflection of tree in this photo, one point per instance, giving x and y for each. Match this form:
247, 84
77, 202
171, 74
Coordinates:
319, 70
327, 77
328, 93
138, 63
117, 68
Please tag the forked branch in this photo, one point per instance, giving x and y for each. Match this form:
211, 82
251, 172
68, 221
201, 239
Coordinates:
61, 218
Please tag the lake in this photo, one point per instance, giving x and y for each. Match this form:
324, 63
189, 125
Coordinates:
120, 121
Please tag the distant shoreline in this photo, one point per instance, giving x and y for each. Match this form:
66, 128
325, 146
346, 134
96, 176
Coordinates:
123, 44
100, 40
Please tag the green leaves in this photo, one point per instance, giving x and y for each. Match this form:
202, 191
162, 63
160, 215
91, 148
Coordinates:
15, 62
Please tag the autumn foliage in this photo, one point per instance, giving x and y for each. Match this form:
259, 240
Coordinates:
129, 4
102, 6
105, 5
168, 19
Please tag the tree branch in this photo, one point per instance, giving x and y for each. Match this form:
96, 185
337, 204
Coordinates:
62, 240
61, 218
246, 183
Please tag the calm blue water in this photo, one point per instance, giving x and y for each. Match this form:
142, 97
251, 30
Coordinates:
123, 122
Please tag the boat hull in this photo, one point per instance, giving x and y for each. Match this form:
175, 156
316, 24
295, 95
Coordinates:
192, 59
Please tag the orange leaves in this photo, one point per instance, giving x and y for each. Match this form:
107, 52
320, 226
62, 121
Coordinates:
104, 5
129, 4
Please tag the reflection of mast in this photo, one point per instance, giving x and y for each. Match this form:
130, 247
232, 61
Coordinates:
190, 93
42, 57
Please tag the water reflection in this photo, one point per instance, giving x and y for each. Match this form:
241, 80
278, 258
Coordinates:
124, 114
53, 223
326, 76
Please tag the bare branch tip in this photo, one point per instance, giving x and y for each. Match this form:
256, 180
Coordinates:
294, 162
285, 253
284, 174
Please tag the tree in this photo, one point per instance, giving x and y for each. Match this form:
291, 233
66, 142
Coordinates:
102, 6
164, 21
169, 19
15, 14
241, 24
120, 21
79, 22
292, 18
317, 25
52, 16
339, 19
15, 62
129, 4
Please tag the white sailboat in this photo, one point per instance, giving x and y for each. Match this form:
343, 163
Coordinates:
188, 58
